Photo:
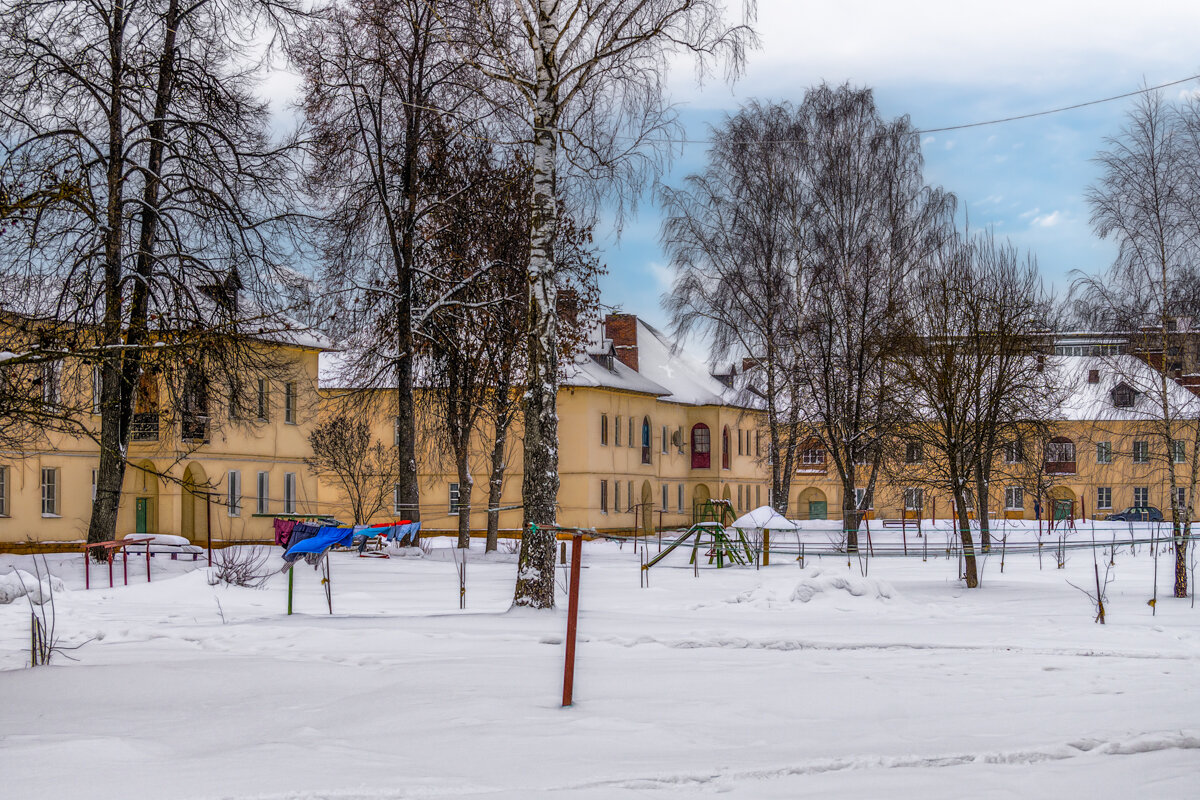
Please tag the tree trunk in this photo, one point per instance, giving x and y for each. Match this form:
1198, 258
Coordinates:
496, 482
539, 490
465, 484
968, 544
981, 508
851, 518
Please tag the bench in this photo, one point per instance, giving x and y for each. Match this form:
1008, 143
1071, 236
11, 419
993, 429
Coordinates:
154, 544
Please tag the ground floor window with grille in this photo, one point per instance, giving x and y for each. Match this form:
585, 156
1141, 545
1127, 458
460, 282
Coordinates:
603, 497
454, 498
233, 487
289, 493
1104, 497
264, 493
913, 499
1014, 498
1141, 495
49, 492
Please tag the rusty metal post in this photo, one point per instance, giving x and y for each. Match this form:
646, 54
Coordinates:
766, 554
572, 620
208, 523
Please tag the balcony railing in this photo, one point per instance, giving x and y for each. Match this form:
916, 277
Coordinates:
144, 427
1060, 467
194, 428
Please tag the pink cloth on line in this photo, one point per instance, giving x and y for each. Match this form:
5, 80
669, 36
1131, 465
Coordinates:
283, 531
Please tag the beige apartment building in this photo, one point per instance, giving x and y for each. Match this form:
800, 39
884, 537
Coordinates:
646, 435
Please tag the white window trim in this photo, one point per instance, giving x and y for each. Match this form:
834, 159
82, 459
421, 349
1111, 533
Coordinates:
56, 513
289, 493
263, 487
233, 493
454, 499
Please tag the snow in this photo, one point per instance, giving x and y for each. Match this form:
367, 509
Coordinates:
848, 678
19, 583
764, 518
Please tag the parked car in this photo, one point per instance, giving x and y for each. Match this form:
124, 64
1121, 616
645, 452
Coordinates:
1137, 514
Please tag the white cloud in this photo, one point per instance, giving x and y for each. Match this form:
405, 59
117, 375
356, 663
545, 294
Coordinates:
1047, 220
1033, 212
663, 275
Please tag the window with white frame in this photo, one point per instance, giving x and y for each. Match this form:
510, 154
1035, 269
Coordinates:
617, 429
454, 497
1141, 452
1103, 452
396, 432
263, 489
1178, 451
95, 481
233, 493
1103, 497
914, 499
664, 439
812, 456
3, 491
1014, 498
666, 495
51, 378
289, 493
860, 496
49, 492
679, 497
1141, 495
912, 453
289, 403
1180, 498
262, 404
97, 388
1014, 453
603, 497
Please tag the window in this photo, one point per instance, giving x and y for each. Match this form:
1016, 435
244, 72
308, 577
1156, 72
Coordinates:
678, 440
262, 403
289, 493
914, 499
1103, 497
97, 388
679, 497
664, 442
396, 432
1180, 498
617, 497
1014, 498
757, 496
603, 497
628, 493
1123, 396
701, 445
604, 430
740, 498
3, 491
632, 442
263, 488
397, 506
725, 447
860, 499
1141, 495
912, 453
812, 457
1178, 451
49, 492
617, 431
51, 375
1103, 452
1060, 456
1141, 452
645, 440
1014, 453
289, 403
666, 495
454, 498
740, 442
757, 443
95, 481
233, 489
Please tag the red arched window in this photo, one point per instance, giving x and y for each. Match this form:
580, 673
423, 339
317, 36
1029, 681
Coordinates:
701, 445
725, 447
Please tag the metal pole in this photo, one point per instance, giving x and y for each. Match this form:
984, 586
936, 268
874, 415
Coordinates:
291, 571
208, 523
766, 556
572, 620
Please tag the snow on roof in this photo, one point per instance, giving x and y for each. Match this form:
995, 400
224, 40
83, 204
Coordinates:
1084, 401
685, 377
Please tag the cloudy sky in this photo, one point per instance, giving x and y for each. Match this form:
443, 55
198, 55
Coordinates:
949, 63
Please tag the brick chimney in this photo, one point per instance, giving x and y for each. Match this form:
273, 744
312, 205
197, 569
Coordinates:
622, 329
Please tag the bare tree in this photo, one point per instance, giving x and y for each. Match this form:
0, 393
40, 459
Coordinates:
734, 233
344, 449
870, 221
1147, 200
163, 251
587, 84
385, 90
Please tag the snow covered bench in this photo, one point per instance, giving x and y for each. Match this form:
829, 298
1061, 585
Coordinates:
164, 543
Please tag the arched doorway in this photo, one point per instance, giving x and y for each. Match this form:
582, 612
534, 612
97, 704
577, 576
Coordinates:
811, 503
193, 503
1060, 503
145, 497
647, 515
700, 496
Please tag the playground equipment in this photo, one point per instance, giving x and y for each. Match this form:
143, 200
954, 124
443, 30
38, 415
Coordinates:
724, 544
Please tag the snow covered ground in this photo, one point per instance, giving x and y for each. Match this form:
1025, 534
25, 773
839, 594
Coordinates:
771, 683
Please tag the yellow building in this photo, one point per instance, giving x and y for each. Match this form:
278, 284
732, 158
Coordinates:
646, 433
213, 470
1107, 453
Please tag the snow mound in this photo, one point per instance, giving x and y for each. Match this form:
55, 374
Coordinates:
19, 583
818, 581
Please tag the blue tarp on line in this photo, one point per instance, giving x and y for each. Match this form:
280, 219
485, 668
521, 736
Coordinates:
326, 538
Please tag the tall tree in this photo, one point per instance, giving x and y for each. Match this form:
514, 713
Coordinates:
150, 110
587, 88
343, 448
384, 90
734, 234
1147, 200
